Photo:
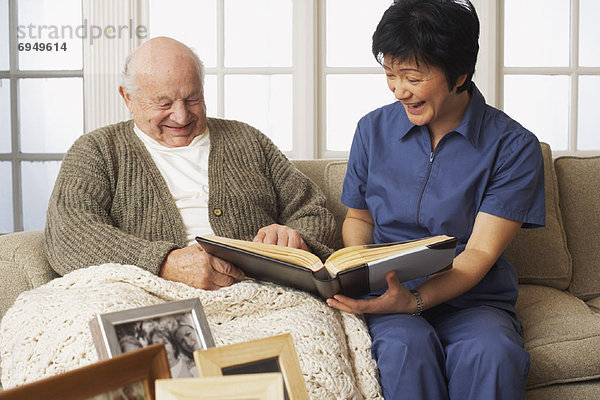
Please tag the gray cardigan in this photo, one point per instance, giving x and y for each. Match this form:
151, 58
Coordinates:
111, 204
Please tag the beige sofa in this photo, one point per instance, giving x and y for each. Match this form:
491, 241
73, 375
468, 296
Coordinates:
558, 266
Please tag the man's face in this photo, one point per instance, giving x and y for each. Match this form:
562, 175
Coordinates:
169, 103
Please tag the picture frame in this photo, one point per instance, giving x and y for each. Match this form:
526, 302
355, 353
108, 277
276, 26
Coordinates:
180, 325
271, 354
102, 380
267, 386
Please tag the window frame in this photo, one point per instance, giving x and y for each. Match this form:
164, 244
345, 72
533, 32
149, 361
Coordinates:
16, 157
309, 72
573, 71
323, 71
301, 144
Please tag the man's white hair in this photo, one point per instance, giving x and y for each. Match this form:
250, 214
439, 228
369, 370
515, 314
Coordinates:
128, 74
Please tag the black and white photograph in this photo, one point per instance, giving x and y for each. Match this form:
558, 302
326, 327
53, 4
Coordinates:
180, 325
176, 332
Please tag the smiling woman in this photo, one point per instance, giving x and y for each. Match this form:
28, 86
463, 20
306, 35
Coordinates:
442, 162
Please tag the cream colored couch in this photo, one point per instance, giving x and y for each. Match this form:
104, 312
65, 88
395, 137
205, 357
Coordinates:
558, 266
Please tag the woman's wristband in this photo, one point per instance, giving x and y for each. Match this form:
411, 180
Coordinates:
419, 309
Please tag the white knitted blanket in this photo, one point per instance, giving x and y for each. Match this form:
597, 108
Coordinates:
46, 331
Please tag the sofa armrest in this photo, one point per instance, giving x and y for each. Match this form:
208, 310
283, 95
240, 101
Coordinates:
23, 265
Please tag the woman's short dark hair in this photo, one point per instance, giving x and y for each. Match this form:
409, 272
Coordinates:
440, 33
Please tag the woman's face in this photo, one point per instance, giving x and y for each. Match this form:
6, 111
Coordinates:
423, 90
186, 337
159, 338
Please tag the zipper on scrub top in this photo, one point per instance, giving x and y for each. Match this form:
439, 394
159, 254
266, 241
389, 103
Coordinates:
429, 167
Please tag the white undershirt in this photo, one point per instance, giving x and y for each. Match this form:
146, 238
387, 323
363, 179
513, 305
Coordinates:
185, 169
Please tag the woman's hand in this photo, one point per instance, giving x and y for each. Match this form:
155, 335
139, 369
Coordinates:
491, 235
396, 300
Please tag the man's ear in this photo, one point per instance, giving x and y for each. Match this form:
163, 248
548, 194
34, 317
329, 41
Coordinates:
127, 98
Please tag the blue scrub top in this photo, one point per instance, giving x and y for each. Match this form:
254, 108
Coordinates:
489, 163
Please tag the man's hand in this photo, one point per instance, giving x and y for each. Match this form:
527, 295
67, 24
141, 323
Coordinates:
397, 299
195, 267
280, 235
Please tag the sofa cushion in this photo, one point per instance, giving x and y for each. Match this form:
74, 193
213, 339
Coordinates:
575, 391
594, 304
561, 334
314, 170
23, 265
540, 255
578, 183
320, 172
334, 178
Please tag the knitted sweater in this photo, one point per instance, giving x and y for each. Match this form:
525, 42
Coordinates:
110, 202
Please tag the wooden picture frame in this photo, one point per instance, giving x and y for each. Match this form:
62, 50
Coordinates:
180, 325
268, 386
100, 380
271, 354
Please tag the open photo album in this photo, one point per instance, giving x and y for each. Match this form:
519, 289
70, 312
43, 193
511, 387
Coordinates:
353, 271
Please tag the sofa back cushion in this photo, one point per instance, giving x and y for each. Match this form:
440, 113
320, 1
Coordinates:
540, 255
314, 169
334, 179
578, 184
328, 174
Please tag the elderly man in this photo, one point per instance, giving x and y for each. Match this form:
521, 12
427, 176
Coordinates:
139, 191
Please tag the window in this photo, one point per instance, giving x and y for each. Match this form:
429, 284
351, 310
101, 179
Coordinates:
550, 76
248, 61
288, 67
351, 82
41, 103
299, 70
